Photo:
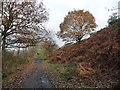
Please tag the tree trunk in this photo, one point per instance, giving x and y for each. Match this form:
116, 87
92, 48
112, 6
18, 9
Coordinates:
3, 43
3, 48
79, 39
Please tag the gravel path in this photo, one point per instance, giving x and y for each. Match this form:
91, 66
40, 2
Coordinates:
38, 77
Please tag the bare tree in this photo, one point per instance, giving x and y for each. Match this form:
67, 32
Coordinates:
22, 23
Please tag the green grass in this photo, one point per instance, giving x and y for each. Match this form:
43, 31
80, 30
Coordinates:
40, 54
21, 62
65, 71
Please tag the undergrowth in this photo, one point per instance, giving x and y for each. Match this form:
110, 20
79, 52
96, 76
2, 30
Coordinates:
66, 72
12, 64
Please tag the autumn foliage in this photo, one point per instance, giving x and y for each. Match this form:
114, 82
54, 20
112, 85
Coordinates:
76, 24
97, 58
21, 25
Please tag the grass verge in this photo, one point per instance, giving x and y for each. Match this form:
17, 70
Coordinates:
65, 75
65, 72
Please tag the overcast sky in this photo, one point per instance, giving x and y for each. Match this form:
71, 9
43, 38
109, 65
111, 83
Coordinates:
58, 9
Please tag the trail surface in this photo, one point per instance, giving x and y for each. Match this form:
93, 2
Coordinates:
37, 77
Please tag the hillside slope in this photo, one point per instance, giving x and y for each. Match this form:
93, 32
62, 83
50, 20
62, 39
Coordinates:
97, 58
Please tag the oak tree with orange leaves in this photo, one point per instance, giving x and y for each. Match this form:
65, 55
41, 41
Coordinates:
75, 25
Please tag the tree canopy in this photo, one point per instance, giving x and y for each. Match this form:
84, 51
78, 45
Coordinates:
75, 25
114, 22
22, 23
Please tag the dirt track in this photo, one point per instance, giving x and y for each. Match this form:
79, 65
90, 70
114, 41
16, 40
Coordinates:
37, 77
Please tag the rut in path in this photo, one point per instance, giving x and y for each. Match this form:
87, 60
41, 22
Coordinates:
38, 78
